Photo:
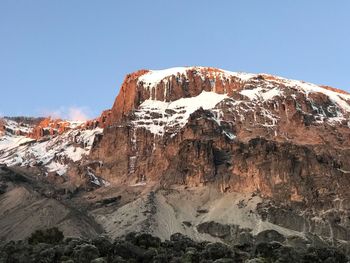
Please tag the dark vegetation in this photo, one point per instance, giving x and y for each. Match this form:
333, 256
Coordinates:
48, 236
50, 246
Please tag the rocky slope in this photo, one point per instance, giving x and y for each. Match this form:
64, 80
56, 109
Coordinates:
28, 203
273, 152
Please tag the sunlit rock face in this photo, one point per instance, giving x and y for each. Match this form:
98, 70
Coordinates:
162, 116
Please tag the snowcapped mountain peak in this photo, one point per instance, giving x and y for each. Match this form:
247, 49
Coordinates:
163, 100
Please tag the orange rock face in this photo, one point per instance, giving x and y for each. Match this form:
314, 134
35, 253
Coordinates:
49, 126
98, 122
2, 126
127, 98
133, 92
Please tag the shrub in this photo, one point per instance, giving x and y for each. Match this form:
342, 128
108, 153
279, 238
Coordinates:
48, 236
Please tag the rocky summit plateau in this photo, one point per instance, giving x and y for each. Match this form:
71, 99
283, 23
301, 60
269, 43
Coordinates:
195, 154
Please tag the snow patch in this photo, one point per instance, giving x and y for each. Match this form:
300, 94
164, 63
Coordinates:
153, 77
9, 142
160, 116
262, 94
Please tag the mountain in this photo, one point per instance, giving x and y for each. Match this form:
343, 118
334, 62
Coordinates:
212, 154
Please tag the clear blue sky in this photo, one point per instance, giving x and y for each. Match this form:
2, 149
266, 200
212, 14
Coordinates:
61, 55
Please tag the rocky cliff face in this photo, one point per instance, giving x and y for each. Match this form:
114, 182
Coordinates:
50, 127
197, 125
284, 140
